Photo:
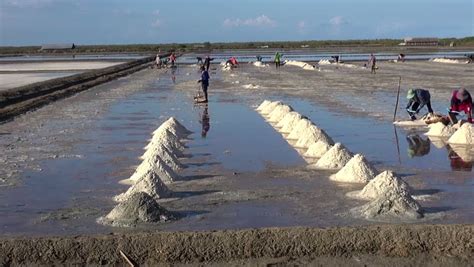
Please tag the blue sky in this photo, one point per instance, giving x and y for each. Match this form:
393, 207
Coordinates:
35, 22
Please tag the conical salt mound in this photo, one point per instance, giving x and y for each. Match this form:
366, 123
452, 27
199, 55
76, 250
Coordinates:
138, 208
291, 123
300, 128
279, 112
463, 136
335, 158
158, 166
312, 135
317, 149
149, 183
178, 126
384, 183
168, 140
270, 107
389, 207
357, 170
162, 152
440, 130
262, 105
290, 116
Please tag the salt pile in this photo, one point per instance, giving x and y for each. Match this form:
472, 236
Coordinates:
279, 112
324, 62
263, 104
389, 207
251, 86
385, 182
450, 61
335, 158
157, 165
317, 149
312, 135
466, 153
357, 170
300, 64
270, 107
260, 64
175, 127
168, 140
390, 197
463, 136
288, 121
440, 130
149, 183
162, 152
299, 129
138, 208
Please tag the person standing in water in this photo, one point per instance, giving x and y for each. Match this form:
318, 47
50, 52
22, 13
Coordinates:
417, 99
277, 60
207, 62
372, 63
204, 82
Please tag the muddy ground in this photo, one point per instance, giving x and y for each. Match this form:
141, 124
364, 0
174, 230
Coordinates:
63, 163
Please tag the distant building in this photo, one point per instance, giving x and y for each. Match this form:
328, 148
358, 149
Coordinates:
264, 46
304, 46
420, 41
54, 47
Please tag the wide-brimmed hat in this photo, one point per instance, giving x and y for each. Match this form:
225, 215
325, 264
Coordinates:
461, 94
410, 94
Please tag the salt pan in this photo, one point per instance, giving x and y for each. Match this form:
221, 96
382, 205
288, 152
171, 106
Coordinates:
357, 170
335, 158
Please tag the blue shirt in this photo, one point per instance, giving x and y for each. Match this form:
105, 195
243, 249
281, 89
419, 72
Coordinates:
205, 77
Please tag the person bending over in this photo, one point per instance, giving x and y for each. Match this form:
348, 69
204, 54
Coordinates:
417, 99
461, 101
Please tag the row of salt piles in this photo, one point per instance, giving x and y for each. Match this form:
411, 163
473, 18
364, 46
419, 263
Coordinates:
351, 168
159, 167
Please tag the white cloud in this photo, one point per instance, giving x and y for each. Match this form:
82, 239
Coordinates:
337, 21
261, 20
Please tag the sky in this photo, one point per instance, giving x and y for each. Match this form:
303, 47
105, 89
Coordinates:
36, 22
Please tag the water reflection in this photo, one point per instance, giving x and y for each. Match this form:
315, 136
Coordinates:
460, 157
205, 121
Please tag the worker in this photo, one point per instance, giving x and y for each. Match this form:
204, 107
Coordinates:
417, 99
199, 60
461, 101
401, 58
259, 58
172, 59
277, 60
207, 62
372, 63
233, 62
204, 82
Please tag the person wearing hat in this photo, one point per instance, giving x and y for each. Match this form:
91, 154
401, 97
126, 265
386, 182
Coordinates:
461, 101
417, 99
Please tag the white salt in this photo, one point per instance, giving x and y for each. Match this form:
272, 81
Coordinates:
317, 149
260, 64
440, 130
384, 183
299, 129
138, 208
263, 104
335, 158
165, 172
357, 170
251, 86
463, 136
149, 183
279, 112
290, 116
389, 207
270, 107
311, 135
174, 126
324, 62
162, 152
288, 123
